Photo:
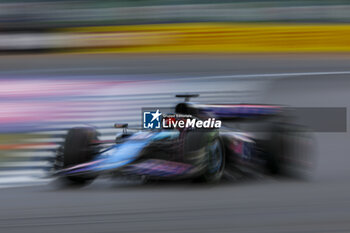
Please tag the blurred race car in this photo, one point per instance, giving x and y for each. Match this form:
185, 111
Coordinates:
252, 139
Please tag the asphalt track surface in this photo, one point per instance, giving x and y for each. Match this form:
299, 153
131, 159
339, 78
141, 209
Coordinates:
319, 204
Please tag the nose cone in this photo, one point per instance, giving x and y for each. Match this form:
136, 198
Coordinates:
120, 155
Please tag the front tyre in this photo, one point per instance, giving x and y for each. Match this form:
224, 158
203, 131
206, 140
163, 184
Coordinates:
78, 149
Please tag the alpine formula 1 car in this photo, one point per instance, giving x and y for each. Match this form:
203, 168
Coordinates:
252, 138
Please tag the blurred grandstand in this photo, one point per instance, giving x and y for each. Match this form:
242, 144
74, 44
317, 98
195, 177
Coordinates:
36, 15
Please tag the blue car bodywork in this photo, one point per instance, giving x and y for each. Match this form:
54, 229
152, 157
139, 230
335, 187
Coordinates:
122, 155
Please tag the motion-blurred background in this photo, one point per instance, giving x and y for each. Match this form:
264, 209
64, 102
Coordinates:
175, 26
71, 62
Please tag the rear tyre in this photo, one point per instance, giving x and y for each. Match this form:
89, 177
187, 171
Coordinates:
276, 149
289, 152
77, 149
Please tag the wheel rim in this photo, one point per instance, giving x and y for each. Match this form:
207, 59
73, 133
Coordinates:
215, 157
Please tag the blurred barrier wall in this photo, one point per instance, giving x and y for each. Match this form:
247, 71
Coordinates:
189, 38
213, 37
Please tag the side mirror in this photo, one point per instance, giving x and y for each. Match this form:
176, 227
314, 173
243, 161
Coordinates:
121, 126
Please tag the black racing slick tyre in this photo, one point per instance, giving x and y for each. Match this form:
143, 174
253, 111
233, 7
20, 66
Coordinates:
289, 152
276, 148
78, 149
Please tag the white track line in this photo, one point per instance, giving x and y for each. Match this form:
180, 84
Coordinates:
23, 181
26, 164
24, 172
272, 75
